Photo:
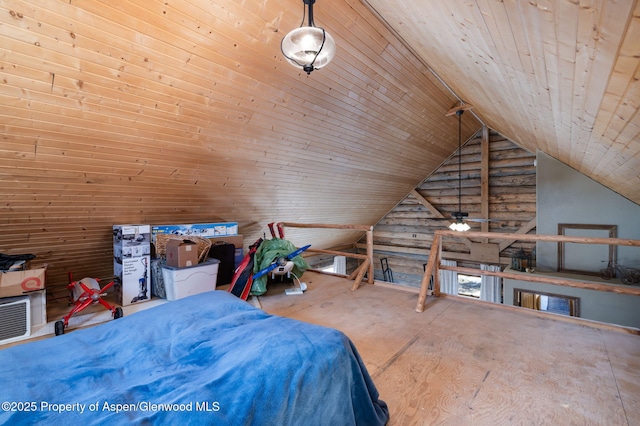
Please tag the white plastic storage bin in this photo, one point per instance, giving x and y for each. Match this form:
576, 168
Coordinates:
183, 282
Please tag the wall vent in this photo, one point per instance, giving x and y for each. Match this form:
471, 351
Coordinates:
15, 319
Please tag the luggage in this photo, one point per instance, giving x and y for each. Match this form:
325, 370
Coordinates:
225, 253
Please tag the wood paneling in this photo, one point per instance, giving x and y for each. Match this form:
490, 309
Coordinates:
559, 76
405, 234
151, 112
176, 112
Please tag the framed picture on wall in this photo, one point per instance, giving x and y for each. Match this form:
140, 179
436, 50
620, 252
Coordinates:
586, 258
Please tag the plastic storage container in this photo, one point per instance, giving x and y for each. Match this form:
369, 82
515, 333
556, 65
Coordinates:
183, 282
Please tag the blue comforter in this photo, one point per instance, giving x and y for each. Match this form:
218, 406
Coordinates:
207, 359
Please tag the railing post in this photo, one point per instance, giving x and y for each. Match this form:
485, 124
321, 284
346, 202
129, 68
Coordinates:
370, 254
428, 271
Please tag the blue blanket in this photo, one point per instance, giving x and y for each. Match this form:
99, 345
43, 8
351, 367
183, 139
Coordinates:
206, 359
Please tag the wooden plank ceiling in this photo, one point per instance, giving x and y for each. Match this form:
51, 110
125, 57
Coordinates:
561, 76
185, 111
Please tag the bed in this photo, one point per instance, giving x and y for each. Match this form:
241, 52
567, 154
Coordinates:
210, 358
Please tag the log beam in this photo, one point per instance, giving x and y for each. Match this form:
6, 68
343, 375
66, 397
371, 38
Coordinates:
433, 264
368, 259
428, 272
631, 290
484, 180
361, 271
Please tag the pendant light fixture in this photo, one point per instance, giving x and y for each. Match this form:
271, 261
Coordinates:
308, 47
459, 224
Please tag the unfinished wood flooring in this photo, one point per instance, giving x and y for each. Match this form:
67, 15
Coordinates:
463, 362
469, 363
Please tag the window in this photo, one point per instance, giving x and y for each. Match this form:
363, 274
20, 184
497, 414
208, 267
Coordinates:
469, 285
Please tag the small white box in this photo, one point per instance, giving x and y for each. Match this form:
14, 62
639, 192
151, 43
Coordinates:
38, 300
183, 282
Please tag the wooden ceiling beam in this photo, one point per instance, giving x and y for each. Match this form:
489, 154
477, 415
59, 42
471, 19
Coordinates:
427, 204
484, 179
436, 212
461, 107
523, 230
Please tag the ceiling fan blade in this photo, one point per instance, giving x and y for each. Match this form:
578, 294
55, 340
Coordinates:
467, 219
472, 219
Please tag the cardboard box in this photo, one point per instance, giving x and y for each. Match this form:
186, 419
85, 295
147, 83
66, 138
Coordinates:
133, 284
16, 283
131, 263
204, 230
181, 253
183, 282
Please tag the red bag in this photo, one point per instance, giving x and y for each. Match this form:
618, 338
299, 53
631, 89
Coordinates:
243, 276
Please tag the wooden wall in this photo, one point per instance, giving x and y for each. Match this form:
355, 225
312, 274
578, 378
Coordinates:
404, 235
179, 112
159, 112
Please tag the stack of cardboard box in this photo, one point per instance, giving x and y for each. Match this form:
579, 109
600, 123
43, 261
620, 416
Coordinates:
131, 263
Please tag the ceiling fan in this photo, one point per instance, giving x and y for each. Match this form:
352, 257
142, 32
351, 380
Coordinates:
459, 217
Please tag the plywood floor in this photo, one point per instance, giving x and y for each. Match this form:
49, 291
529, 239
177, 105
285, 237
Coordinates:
468, 363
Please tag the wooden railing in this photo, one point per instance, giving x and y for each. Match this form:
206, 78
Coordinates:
367, 260
433, 265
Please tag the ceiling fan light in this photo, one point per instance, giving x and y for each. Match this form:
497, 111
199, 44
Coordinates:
459, 226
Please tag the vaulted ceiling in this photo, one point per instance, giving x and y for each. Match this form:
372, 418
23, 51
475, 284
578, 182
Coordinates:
560, 76
182, 111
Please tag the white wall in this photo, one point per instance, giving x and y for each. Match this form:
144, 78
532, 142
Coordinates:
609, 307
565, 195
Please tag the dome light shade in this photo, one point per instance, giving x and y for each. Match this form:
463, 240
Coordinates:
308, 47
459, 226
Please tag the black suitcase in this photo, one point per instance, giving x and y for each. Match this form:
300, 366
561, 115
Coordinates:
225, 253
